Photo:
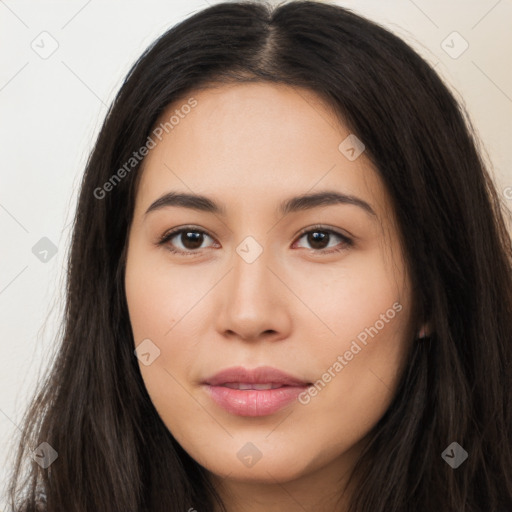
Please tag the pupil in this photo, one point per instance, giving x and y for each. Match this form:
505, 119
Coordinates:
313, 239
195, 240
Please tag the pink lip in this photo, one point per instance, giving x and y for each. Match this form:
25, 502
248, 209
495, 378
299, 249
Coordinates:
253, 402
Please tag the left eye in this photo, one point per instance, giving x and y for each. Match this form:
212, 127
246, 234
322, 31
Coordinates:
192, 239
318, 237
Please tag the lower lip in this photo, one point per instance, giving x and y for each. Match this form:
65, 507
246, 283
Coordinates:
254, 402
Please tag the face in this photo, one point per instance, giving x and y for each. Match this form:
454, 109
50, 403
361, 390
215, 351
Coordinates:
251, 278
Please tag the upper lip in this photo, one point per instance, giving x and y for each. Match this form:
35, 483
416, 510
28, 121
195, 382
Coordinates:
260, 375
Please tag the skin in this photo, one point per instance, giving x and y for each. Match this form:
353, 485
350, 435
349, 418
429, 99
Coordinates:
249, 147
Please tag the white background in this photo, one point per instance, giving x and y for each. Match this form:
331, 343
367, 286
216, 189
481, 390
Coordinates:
52, 109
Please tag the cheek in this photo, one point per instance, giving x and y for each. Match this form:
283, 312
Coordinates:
158, 294
162, 307
155, 307
149, 304
359, 357
352, 297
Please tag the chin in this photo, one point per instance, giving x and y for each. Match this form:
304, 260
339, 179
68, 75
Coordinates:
257, 462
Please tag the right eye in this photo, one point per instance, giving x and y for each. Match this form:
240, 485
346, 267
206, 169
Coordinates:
189, 237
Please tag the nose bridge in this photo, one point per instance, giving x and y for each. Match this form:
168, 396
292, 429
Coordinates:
251, 275
252, 303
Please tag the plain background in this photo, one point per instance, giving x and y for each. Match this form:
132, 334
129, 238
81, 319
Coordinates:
52, 107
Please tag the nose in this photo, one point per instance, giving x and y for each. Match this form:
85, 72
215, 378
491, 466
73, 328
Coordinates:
254, 302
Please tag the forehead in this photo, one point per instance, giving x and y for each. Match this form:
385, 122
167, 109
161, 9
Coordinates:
255, 143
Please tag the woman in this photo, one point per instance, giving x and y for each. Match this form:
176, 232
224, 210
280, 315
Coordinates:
290, 285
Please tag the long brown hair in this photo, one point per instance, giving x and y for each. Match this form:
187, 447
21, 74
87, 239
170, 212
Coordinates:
115, 453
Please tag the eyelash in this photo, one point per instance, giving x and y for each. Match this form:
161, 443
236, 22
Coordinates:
166, 237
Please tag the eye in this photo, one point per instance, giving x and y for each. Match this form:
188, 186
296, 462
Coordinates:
191, 240
319, 238
189, 237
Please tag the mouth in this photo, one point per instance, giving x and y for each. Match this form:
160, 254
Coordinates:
259, 387
259, 392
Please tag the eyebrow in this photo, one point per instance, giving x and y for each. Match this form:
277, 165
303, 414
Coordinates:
294, 204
